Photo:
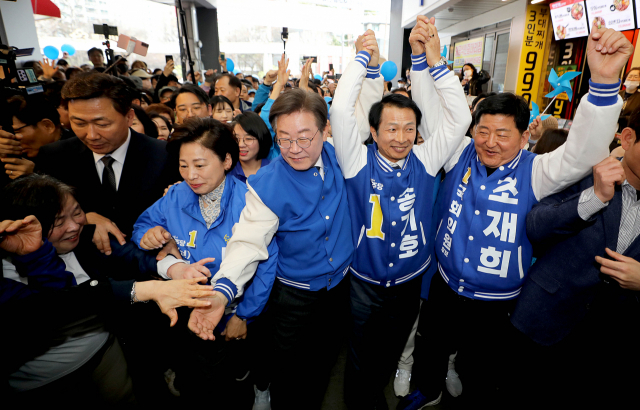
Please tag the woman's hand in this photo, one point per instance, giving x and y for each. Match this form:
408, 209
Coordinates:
236, 329
193, 270
155, 238
21, 237
167, 188
304, 76
17, 167
172, 294
283, 77
104, 227
48, 68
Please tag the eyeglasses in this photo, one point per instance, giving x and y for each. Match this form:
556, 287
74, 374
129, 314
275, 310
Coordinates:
302, 142
18, 129
248, 141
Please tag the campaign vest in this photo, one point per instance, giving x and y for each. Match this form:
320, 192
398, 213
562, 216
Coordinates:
391, 213
481, 243
314, 234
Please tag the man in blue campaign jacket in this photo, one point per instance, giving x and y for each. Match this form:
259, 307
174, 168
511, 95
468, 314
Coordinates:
179, 213
300, 200
481, 245
390, 186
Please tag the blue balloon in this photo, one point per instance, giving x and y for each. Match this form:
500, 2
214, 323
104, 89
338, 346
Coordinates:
236, 71
318, 77
68, 48
389, 69
51, 52
230, 65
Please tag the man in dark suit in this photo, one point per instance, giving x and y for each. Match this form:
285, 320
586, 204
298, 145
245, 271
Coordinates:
118, 173
581, 302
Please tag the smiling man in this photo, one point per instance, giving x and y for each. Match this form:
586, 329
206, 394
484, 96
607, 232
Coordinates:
482, 248
390, 186
118, 173
300, 201
190, 102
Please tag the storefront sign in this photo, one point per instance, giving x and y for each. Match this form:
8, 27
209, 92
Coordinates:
617, 15
469, 51
569, 19
532, 62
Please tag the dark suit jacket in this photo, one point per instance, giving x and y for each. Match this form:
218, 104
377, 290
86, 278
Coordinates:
146, 173
565, 281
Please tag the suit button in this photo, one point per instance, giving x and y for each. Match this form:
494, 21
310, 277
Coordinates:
393, 245
393, 223
398, 174
471, 238
477, 212
460, 289
466, 260
323, 197
93, 283
391, 265
393, 198
327, 217
501, 168
482, 187
326, 239
330, 259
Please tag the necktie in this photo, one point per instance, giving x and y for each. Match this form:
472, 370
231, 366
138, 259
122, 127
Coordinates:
108, 176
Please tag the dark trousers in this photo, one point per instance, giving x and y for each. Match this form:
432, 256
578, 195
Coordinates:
306, 330
382, 318
483, 335
596, 366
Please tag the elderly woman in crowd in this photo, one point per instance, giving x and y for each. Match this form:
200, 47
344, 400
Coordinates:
254, 140
85, 364
199, 214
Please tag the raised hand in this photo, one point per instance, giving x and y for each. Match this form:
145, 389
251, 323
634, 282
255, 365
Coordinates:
607, 53
203, 320
606, 175
432, 47
48, 67
155, 238
21, 237
168, 68
304, 76
370, 44
419, 35
283, 77
193, 270
535, 128
104, 227
270, 77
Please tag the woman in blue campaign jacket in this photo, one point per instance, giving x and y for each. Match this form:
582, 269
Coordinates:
199, 215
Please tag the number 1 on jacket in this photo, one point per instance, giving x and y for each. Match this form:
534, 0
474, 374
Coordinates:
376, 218
192, 239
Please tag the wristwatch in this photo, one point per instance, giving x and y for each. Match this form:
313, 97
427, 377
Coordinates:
442, 61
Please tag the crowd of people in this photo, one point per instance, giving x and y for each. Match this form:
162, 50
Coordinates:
273, 219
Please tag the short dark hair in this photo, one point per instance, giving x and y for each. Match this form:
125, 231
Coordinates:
634, 122
211, 134
62, 62
233, 80
158, 108
40, 195
94, 49
507, 104
550, 140
88, 86
298, 100
392, 100
253, 125
219, 99
150, 129
32, 109
401, 90
190, 88
481, 97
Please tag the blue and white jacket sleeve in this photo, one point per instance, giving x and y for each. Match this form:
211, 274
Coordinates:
257, 293
262, 95
446, 117
248, 246
594, 126
274, 152
353, 99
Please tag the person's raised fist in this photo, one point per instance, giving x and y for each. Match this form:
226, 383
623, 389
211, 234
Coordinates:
607, 53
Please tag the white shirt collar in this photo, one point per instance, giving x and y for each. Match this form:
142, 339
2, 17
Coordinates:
319, 162
400, 163
119, 154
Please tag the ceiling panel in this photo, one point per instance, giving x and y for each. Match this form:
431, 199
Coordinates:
466, 9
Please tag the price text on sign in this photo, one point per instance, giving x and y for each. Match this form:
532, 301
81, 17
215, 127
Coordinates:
535, 42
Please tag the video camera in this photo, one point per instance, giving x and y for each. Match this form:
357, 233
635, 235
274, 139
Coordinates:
22, 80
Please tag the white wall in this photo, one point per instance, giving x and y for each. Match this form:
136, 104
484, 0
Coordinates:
411, 9
20, 27
515, 48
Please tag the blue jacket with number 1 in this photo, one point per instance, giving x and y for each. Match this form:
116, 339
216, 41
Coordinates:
179, 213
